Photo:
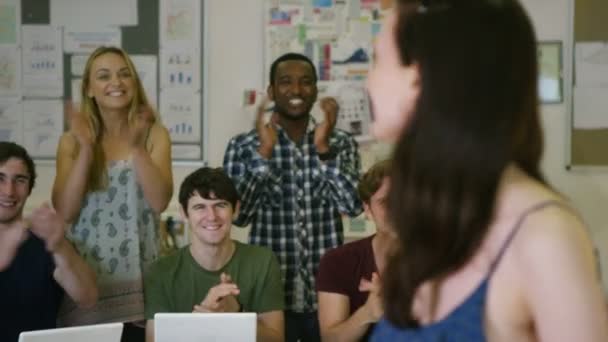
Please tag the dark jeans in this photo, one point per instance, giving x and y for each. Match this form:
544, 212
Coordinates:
133, 333
301, 326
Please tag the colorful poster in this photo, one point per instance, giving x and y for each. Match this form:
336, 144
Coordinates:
337, 35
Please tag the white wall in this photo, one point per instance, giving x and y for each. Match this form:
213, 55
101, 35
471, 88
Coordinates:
236, 63
587, 189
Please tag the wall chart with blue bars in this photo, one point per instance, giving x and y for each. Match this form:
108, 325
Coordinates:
338, 36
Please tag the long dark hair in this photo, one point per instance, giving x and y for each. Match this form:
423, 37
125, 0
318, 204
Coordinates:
477, 112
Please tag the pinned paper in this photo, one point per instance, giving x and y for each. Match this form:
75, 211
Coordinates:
591, 64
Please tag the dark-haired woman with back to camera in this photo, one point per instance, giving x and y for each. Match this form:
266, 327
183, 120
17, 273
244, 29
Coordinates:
488, 250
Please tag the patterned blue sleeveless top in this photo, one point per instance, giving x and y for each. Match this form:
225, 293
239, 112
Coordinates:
117, 234
466, 321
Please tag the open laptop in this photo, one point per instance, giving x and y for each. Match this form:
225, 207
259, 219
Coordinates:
195, 327
110, 332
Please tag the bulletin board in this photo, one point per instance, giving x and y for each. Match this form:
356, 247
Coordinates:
589, 120
337, 35
41, 65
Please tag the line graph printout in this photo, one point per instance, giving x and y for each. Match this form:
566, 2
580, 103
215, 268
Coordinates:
42, 126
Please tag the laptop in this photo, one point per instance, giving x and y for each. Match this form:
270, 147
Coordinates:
110, 332
195, 327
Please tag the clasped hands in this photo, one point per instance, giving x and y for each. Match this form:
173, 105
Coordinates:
221, 297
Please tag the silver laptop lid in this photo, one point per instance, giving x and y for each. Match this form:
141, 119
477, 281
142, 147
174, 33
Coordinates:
110, 332
195, 327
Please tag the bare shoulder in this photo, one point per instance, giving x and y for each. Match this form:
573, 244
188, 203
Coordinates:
554, 266
555, 228
159, 131
158, 136
68, 146
554, 243
549, 224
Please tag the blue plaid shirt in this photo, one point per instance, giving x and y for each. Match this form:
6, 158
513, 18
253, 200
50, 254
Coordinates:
293, 202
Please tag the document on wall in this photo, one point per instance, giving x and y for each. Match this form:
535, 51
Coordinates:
87, 13
180, 113
283, 39
350, 60
42, 61
180, 23
10, 70
591, 63
146, 69
77, 64
42, 126
84, 41
180, 68
550, 72
10, 21
590, 107
11, 119
75, 86
192, 152
354, 115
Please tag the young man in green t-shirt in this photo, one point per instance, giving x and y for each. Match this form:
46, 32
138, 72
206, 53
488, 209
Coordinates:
215, 273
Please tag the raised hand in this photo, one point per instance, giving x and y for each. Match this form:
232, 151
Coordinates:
79, 125
330, 109
220, 298
267, 132
140, 127
373, 304
47, 225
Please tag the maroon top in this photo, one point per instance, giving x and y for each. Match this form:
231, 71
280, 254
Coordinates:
342, 268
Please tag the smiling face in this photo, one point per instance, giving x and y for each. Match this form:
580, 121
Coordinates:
111, 82
14, 189
209, 219
393, 87
294, 89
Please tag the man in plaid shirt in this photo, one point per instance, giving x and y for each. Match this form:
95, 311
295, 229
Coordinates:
295, 177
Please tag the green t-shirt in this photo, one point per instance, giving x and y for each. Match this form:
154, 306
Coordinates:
177, 282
